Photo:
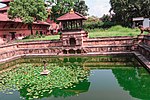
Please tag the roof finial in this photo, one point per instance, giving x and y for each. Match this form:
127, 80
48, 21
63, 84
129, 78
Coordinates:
72, 11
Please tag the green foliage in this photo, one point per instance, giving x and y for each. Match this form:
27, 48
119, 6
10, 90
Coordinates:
120, 29
64, 6
28, 11
31, 38
27, 79
114, 31
136, 81
94, 22
81, 7
125, 10
106, 18
35, 36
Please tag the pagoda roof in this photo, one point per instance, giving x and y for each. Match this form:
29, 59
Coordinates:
5, 1
71, 16
4, 18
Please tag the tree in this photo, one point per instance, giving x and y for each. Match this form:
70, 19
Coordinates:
60, 7
106, 18
125, 10
81, 7
28, 11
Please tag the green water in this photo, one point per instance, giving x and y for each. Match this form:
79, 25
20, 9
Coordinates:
108, 78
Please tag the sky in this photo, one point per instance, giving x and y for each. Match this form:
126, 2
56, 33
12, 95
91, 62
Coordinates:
96, 7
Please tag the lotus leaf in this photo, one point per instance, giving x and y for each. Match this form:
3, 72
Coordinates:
27, 80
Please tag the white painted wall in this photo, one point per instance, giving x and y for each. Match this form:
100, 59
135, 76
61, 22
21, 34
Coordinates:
146, 22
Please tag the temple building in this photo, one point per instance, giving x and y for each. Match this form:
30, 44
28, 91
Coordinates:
16, 29
73, 34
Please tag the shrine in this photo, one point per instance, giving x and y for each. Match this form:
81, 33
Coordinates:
72, 32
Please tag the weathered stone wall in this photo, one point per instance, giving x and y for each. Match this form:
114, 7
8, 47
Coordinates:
112, 44
29, 48
40, 44
144, 46
96, 45
109, 41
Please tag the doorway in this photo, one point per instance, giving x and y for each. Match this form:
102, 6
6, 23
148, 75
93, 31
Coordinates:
72, 42
12, 35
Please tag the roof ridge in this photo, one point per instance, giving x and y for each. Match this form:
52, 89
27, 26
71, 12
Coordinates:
72, 16
80, 14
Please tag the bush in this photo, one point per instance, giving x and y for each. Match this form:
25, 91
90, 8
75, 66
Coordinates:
37, 35
120, 29
29, 37
108, 24
99, 24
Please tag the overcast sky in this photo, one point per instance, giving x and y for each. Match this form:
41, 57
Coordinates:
96, 7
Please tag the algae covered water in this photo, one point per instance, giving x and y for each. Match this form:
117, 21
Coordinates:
75, 78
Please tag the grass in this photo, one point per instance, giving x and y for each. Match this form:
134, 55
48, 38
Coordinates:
51, 37
114, 31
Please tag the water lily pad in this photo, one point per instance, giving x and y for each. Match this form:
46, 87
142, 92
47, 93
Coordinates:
26, 77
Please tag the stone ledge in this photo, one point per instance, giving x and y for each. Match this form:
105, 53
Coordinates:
142, 60
109, 38
145, 47
8, 51
139, 57
38, 42
107, 46
10, 58
108, 53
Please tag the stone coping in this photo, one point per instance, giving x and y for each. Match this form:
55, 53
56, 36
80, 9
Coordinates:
145, 47
114, 37
106, 39
7, 45
39, 42
59, 41
30, 42
39, 48
106, 46
142, 60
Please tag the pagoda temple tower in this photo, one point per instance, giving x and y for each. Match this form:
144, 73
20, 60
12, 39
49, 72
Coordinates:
72, 32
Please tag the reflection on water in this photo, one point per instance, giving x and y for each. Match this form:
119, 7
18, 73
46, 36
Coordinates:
110, 78
134, 80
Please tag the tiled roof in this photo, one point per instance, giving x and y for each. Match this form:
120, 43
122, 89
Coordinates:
41, 22
71, 16
4, 8
4, 17
5, 1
